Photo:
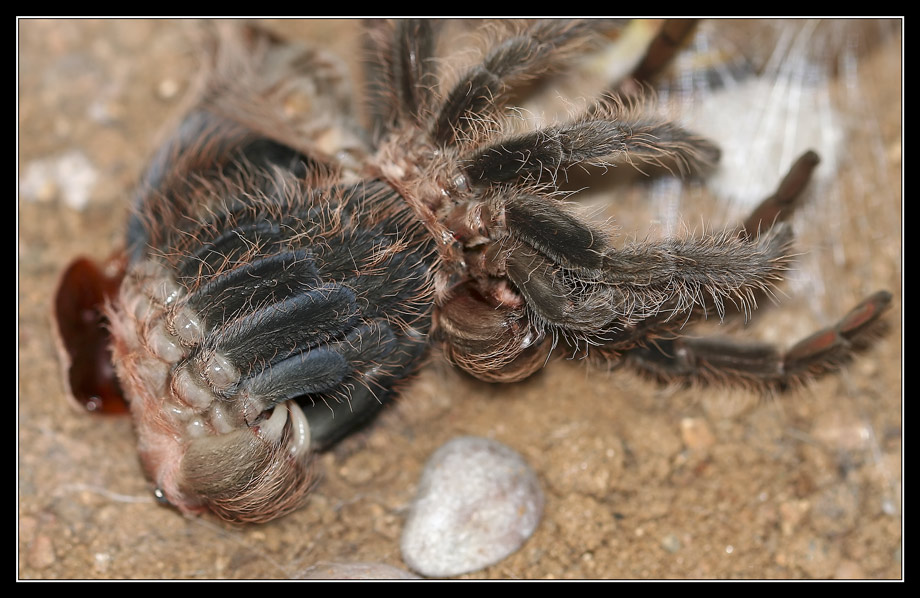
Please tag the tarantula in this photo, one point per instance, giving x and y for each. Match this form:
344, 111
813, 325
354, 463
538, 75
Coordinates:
285, 272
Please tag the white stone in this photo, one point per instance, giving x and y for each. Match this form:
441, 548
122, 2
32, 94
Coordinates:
477, 503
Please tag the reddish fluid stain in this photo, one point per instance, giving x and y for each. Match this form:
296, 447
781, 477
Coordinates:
84, 337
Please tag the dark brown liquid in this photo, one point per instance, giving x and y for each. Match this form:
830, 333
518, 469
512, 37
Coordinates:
78, 308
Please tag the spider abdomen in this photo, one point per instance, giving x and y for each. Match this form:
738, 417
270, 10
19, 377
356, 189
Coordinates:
264, 320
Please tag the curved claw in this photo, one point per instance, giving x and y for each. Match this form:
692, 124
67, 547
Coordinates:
300, 431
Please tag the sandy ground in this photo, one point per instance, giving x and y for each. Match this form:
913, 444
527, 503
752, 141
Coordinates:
641, 482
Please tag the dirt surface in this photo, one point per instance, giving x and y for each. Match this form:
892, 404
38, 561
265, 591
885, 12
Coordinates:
640, 481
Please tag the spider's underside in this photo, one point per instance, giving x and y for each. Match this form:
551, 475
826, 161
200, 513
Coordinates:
282, 281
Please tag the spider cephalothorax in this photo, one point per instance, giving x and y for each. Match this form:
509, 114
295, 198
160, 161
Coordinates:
284, 276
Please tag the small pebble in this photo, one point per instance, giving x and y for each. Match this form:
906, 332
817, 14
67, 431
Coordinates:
582, 522
591, 460
696, 434
791, 514
101, 562
167, 89
355, 571
41, 553
477, 503
671, 543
